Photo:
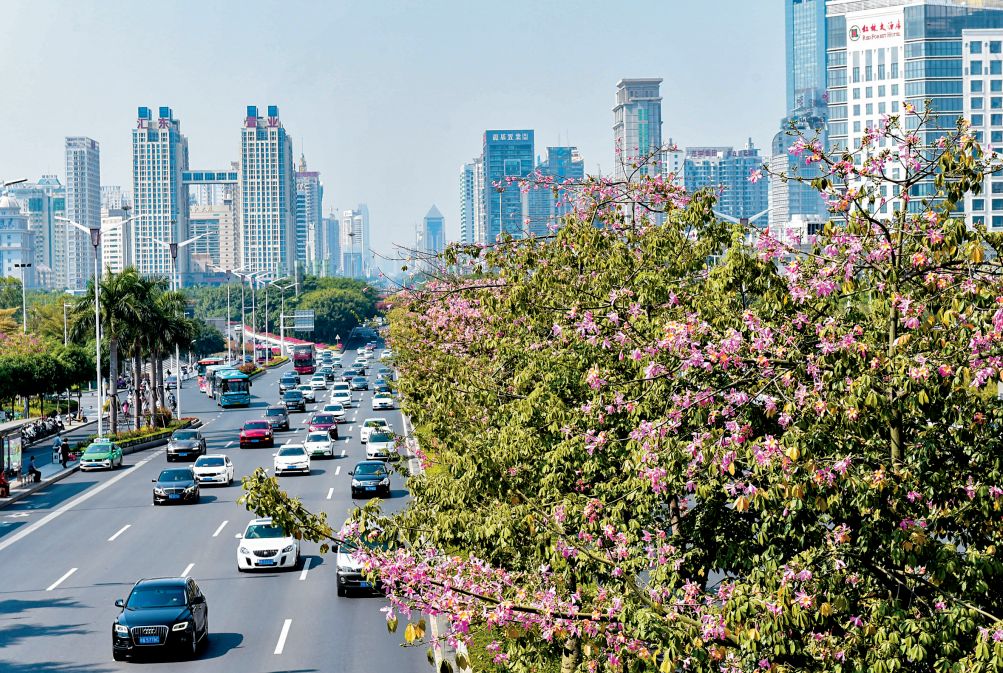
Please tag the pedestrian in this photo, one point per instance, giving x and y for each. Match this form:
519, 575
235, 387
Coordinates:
33, 472
125, 408
64, 453
57, 446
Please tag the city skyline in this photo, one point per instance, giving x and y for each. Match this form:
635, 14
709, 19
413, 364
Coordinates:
402, 95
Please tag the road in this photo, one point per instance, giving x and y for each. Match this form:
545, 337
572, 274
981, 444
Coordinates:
69, 551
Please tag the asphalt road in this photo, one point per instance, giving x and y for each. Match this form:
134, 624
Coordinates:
69, 551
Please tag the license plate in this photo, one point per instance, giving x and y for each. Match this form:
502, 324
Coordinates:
364, 585
173, 496
183, 454
266, 562
149, 640
370, 488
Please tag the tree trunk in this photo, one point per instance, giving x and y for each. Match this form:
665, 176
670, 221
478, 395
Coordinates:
113, 383
570, 656
137, 379
160, 380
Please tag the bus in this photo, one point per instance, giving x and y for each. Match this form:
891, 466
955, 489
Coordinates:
212, 378
304, 359
234, 389
201, 367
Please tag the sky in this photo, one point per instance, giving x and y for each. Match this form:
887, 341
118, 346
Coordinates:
386, 98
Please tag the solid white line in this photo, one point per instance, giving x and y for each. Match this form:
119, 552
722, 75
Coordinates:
188, 569
220, 529
61, 579
306, 568
330, 493
124, 528
21, 534
282, 636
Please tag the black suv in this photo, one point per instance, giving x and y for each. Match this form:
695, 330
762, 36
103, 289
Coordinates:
294, 400
278, 417
165, 613
288, 380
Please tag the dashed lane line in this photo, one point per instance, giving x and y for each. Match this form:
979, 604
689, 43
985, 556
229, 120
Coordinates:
220, 529
187, 569
306, 568
279, 646
337, 471
120, 531
61, 579
330, 493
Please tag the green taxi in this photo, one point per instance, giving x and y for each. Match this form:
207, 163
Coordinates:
102, 454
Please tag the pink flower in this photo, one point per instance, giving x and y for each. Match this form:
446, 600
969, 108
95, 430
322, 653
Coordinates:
755, 175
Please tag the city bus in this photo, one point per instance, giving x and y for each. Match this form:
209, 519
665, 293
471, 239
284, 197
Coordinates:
234, 388
212, 378
201, 367
304, 359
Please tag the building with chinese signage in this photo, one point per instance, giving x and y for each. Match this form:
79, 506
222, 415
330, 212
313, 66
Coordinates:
267, 191
83, 205
637, 125
160, 201
507, 154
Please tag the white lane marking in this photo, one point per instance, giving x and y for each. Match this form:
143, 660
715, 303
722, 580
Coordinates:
343, 451
337, 471
228, 445
61, 579
121, 530
21, 534
330, 493
346, 442
188, 569
220, 529
279, 646
306, 568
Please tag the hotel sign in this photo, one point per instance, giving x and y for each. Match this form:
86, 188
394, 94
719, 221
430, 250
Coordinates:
876, 30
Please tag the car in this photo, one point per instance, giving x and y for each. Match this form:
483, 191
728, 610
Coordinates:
175, 485
328, 372
369, 426
386, 355
386, 373
383, 401
381, 387
349, 374
360, 383
370, 477
294, 400
307, 390
265, 545
335, 409
326, 422
185, 444
319, 443
319, 382
380, 445
159, 614
101, 454
277, 416
213, 469
291, 458
288, 380
257, 433
371, 346
343, 396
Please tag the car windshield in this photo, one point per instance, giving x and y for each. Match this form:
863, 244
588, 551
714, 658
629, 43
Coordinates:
358, 379
294, 394
262, 531
375, 423
370, 469
323, 418
340, 386
278, 411
317, 437
333, 407
156, 597
304, 386
98, 448
209, 461
175, 475
378, 437
257, 425
185, 434
291, 451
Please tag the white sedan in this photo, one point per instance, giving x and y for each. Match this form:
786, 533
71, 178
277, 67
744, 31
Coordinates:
213, 469
371, 425
291, 458
336, 410
319, 444
381, 445
383, 401
308, 393
263, 545
319, 382
342, 396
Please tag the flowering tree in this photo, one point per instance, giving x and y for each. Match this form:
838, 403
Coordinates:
660, 446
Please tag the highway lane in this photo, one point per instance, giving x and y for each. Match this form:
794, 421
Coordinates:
116, 537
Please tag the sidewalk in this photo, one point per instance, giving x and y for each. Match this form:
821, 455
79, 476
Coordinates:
51, 473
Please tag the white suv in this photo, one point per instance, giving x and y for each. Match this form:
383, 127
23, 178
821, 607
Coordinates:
264, 545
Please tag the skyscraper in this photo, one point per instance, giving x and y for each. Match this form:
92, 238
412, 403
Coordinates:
42, 203
726, 171
116, 240
507, 154
355, 252
332, 244
83, 205
309, 214
467, 201
160, 204
432, 233
267, 194
480, 215
637, 125
562, 164
16, 245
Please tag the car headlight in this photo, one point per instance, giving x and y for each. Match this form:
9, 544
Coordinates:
159, 491
356, 482
385, 482
121, 630
190, 489
288, 549
180, 626
244, 550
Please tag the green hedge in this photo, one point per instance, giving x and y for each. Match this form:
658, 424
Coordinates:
133, 437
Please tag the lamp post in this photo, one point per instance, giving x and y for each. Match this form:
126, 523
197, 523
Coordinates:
229, 332
351, 248
66, 341
95, 233
24, 294
282, 313
173, 248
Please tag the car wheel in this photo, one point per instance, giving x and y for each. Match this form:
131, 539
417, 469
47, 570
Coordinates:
117, 656
341, 591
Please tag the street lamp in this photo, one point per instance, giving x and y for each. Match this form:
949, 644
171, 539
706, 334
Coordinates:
282, 313
176, 286
24, 295
95, 233
66, 341
249, 277
351, 247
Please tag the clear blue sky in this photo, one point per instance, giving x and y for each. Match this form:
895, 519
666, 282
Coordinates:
387, 97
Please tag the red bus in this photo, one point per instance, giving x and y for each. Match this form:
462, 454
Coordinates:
201, 367
304, 359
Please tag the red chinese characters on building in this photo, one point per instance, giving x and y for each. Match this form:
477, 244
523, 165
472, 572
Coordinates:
273, 122
162, 122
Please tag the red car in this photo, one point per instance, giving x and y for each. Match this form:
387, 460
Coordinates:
257, 433
326, 422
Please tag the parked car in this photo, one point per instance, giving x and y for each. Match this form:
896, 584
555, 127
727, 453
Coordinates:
186, 444
164, 613
265, 545
294, 400
175, 485
213, 469
257, 433
278, 416
291, 458
370, 477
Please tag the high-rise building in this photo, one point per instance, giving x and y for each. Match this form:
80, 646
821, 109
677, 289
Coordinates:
637, 126
113, 197
16, 245
726, 171
218, 247
160, 203
508, 154
480, 214
83, 205
432, 233
355, 245
467, 203
562, 164
332, 244
309, 216
39, 203
116, 240
267, 194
